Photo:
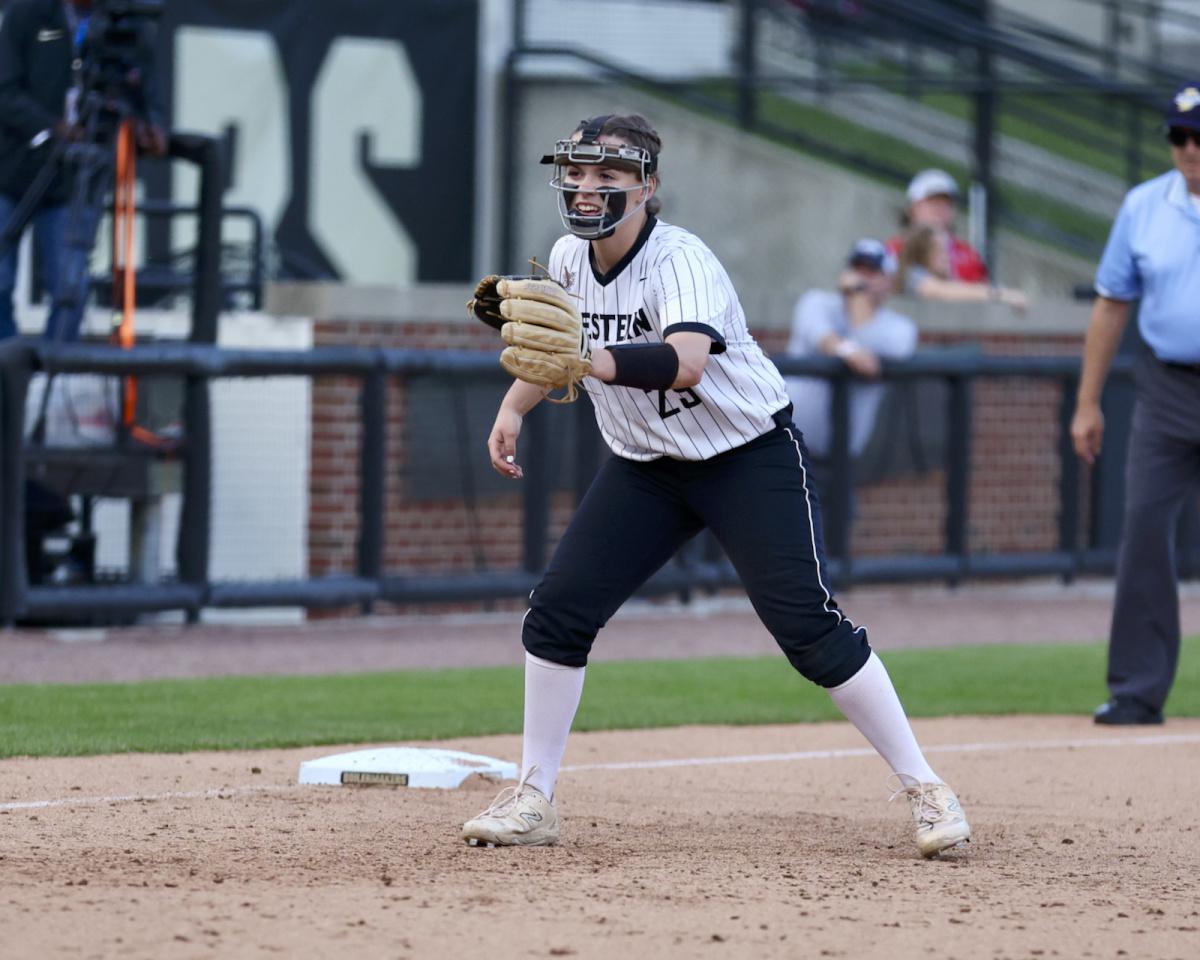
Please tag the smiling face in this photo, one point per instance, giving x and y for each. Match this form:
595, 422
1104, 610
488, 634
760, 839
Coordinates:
603, 183
592, 182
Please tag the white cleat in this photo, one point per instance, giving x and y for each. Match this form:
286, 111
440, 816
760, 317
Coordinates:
941, 823
519, 816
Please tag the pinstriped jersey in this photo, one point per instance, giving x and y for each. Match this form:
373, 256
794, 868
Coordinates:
668, 282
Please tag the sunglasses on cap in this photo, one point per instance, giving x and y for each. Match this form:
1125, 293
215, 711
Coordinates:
1179, 136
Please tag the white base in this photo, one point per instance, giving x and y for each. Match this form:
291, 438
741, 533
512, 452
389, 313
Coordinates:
404, 767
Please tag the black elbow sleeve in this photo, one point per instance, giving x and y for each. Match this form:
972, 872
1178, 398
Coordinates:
649, 366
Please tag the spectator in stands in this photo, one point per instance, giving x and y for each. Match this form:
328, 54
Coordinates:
925, 272
39, 42
933, 203
853, 324
1152, 256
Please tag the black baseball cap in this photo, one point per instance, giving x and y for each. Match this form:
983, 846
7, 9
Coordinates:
1184, 109
873, 254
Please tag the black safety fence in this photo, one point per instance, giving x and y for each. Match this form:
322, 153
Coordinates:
192, 589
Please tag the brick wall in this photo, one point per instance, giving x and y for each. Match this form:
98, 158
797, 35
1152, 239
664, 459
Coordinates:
1015, 467
429, 536
1013, 491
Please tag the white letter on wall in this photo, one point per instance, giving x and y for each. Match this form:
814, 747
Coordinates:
364, 87
234, 78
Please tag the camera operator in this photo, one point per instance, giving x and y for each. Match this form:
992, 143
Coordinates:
41, 74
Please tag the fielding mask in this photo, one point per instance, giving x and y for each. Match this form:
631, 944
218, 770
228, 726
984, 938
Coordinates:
613, 200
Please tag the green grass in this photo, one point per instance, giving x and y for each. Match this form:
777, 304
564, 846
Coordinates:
261, 712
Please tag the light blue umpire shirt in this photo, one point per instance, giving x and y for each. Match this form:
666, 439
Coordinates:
1153, 255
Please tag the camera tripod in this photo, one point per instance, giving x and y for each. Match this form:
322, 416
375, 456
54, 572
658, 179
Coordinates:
103, 160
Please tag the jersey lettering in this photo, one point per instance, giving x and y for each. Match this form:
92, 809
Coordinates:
609, 328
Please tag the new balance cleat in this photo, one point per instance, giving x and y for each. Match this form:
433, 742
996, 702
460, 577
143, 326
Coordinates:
941, 823
519, 816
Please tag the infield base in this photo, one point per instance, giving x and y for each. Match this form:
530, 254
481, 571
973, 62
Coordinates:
404, 767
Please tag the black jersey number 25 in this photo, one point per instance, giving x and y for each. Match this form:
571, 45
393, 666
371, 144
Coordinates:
687, 399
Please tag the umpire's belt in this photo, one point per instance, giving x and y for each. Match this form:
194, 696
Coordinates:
1185, 367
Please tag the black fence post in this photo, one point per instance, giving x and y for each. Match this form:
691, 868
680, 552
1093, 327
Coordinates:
205, 152
747, 66
16, 364
538, 485
195, 522
510, 113
958, 473
195, 519
1068, 483
985, 135
372, 482
1152, 24
1112, 37
842, 486
913, 69
587, 449
1133, 142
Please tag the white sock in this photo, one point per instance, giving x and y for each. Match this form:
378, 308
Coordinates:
869, 701
552, 694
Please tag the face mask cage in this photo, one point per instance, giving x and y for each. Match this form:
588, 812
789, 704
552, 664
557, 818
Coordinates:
613, 212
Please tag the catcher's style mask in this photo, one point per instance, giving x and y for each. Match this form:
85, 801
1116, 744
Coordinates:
587, 152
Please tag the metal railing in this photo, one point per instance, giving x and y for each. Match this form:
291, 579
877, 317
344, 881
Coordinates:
242, 269
956, 561
371, 583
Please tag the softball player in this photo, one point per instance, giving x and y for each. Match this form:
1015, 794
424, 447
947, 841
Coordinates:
699, 424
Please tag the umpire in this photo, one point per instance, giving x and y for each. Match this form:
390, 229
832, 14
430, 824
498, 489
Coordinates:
1152, 256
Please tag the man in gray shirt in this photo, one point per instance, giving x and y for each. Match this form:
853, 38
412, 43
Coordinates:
852, 324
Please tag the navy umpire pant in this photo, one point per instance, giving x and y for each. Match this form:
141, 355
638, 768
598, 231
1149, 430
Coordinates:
757, 500
1162, 471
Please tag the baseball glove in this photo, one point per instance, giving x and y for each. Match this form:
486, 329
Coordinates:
542, 328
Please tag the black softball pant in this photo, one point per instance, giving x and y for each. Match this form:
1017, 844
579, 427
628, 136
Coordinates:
758, 502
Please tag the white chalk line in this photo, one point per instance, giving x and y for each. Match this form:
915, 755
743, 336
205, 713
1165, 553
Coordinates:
1145, 741
215, 793
1155, 740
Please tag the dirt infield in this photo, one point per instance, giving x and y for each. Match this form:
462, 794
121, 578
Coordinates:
1086, 845
693, 842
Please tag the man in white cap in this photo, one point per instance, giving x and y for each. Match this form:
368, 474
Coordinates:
933, 202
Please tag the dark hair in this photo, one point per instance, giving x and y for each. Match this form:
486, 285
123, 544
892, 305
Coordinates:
635, 130
917, 252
